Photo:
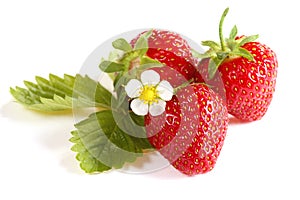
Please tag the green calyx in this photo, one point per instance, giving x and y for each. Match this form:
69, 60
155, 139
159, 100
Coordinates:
126, 62
126, 58
227, 48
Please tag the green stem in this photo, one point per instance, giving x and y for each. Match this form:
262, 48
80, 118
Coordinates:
221, 29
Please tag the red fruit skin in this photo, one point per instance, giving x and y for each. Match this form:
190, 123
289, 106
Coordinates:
247, 86
172, 50
191, 132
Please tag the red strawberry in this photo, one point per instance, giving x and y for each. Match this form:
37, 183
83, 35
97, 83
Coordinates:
247, 72
172, 50
191, 131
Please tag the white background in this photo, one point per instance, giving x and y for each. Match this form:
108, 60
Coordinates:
260, 160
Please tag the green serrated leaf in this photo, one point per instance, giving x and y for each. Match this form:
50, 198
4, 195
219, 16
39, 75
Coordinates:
141, 141
121, 98
105, 142
123, 118
109, 66
62, 85
233, 33
88, 162
37, 90
57, 94
122, 44
24, 96
56, 104
90, 90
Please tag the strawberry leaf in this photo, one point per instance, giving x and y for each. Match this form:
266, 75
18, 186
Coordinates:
57, 94
88, 162
55, 104
92, 92
101, 144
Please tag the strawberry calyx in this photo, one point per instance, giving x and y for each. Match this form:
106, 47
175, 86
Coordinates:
124, 58
126, 62
228, 48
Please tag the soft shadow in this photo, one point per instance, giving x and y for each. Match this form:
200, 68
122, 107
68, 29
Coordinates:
163, 173
55, 137
69, 162
16, 111
153, 165
168, 173
150, 161
54, 131
55, 134
138, 165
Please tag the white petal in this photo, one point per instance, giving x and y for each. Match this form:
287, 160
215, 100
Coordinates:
139, 107
133, 88
150, 77
165, 90
157, 108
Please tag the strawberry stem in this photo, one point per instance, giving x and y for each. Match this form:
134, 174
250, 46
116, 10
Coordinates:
222, 41
228, 47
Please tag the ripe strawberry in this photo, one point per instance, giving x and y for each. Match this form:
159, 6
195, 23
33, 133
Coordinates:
172, 50
247, 73
191, 131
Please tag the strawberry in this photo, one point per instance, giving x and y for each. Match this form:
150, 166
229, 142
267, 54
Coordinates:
242, 71
172, 50
163, 51
191, 131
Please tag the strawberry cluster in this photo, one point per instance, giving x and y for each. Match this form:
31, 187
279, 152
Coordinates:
236, 76
167, 97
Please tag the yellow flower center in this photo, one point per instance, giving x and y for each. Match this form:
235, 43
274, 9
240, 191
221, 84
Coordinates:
148, 94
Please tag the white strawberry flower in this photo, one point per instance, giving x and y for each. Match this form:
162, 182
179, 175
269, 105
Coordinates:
150, 94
